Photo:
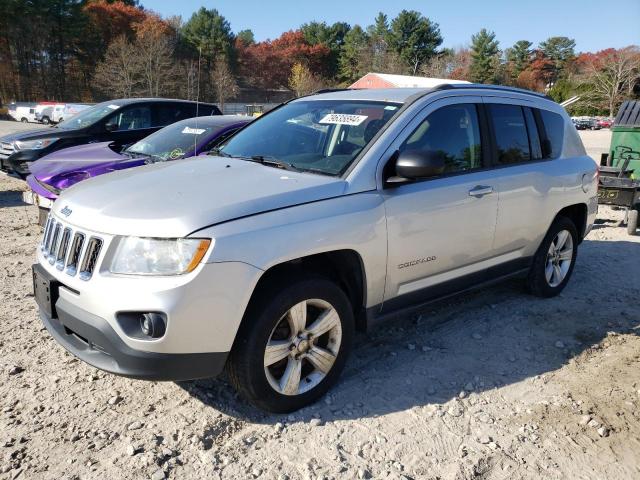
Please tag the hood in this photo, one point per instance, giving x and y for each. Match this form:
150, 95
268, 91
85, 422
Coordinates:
82, 157
173, 199
28, 134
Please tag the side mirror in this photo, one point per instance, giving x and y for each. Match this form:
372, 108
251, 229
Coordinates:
415, 164
111, 127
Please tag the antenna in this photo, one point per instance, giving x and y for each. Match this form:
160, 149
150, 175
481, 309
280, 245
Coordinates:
195, 137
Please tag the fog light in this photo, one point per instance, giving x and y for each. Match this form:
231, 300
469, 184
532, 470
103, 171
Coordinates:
152, 325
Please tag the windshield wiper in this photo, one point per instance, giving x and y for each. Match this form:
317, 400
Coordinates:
273, 162
218, 152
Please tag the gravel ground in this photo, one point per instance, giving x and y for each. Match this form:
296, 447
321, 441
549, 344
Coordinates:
493, 385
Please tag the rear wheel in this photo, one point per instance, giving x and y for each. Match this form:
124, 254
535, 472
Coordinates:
24, 120
554, 261
293, 344
632, 221
45, 120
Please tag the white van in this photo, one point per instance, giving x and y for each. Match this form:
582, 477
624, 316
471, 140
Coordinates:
24, 113
69, 110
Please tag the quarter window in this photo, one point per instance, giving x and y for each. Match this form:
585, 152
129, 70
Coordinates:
453, 131
554, 128
511, 133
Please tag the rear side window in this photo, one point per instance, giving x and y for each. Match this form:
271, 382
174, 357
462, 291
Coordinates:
168, 113
510, 131
453, 131
554, 130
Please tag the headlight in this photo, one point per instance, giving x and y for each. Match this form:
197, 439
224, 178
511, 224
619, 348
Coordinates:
158, 256
33, 144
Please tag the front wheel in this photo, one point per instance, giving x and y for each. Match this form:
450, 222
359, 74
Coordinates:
554, 261
292, 345
632, 221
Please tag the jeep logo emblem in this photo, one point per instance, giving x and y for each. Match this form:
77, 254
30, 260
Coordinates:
66, 211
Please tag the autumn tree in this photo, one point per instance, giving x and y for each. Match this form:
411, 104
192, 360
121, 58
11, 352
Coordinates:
302, 81
414, 38
223, 81
484, 57
332, 37
268, 64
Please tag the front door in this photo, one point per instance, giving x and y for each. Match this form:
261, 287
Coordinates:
443, 227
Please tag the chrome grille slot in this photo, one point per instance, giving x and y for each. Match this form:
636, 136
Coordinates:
55, 243
90, 258
47, 234
74, 254
61, 255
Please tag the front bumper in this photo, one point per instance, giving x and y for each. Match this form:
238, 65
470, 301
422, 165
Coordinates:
92, 340
19, 161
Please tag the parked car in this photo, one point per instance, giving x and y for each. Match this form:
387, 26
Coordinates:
605, 123
61, 169
323, 216
122, 122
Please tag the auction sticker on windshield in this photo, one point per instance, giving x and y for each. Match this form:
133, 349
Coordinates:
343, 119
193, 131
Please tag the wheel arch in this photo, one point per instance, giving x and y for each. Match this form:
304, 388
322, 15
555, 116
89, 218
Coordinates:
345, 267
577, 213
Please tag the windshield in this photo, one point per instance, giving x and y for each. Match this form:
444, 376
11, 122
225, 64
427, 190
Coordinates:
88, 116
174, 141
324, 136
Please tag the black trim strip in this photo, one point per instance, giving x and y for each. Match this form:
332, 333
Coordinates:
423, 297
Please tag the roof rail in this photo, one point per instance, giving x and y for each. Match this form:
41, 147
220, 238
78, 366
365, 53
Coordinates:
329, 90
481, 86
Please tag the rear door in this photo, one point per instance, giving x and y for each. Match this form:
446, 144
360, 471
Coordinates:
522, 175
441, 228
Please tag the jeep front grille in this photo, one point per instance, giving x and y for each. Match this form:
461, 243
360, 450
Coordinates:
69, 249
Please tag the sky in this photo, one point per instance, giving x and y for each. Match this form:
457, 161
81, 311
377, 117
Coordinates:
594, 24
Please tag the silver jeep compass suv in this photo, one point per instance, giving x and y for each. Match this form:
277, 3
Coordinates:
328, 213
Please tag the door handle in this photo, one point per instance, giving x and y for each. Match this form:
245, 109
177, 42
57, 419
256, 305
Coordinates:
480, 191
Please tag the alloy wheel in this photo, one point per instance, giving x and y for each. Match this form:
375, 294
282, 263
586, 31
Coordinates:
559, 258
302, 347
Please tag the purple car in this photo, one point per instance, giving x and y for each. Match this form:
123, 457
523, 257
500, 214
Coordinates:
63, 168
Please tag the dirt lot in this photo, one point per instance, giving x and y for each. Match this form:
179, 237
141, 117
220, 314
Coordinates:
494, 385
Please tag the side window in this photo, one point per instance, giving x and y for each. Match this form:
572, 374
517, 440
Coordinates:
534, 137
511, 133
554, 129
168, 113
453, 131
131, 118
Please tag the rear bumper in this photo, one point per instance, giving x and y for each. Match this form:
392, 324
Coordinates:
93, 340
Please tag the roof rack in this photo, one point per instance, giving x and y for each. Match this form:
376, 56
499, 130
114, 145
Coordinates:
481, 86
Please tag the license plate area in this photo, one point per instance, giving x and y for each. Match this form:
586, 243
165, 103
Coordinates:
45, 291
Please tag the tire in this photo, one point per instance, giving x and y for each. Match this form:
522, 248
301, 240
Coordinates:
632, 221
24, 120
549, 272
269, 318
45, 120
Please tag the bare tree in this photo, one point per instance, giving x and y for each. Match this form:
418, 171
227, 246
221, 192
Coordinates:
118, 74
154, 55
447, 63
612, 79
224, 82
